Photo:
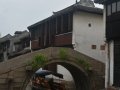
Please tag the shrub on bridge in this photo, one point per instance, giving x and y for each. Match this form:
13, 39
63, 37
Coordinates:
84, 63
38, 61
63, 54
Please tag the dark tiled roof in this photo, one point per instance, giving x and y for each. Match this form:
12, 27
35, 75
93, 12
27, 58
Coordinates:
17, 38
18, 32
5, 38
101, 1
72, 8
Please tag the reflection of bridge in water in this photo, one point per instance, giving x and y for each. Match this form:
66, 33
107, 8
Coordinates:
15, 75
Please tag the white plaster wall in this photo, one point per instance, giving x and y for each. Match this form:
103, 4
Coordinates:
85, 36
12, 46
111, 66
5, 55
67, 75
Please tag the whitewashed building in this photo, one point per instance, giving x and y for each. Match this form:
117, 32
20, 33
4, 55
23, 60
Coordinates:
79, 26
89, 35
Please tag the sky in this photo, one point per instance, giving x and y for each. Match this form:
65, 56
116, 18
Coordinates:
17, 15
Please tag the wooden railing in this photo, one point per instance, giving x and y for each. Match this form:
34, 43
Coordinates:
35, 44
64, 39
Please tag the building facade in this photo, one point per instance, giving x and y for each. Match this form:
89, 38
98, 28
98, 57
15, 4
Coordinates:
11, 46
79, 26
4, 47
76, 27
112, 22
88, 36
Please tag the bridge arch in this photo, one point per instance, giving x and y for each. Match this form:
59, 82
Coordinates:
83, 80
79, 75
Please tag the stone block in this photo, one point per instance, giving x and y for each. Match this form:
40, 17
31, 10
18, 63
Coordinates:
2, 81
112, 88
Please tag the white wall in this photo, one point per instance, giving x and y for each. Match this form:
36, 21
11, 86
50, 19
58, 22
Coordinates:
67, 75
111, 66
84, 36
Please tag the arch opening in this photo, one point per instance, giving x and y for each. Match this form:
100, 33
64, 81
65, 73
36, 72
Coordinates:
80, 77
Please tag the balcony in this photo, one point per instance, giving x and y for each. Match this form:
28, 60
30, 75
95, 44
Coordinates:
35, 45
64, 39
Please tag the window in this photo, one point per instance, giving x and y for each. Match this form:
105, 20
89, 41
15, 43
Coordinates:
65, 23
108, 10
113, 7
118, 6
89, 25
59, 26
93, 46
102, 47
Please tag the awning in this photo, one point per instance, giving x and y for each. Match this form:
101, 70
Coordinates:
44, 73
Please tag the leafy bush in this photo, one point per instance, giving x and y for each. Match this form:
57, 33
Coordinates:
84, 63
39, 61
63, 54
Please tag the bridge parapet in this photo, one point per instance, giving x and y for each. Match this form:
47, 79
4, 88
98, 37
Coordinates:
13, 72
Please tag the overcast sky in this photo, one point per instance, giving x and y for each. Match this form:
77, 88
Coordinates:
17, 15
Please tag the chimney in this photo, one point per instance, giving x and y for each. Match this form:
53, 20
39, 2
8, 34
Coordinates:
87, 3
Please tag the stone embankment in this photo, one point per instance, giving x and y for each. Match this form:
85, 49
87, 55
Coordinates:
112, 88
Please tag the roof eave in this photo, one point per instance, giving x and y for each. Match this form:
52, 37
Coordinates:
70, 9
100, 1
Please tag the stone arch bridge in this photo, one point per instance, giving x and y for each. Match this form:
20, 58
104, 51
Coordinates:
15, 74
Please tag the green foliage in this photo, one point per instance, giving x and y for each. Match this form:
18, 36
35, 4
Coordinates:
38, 61
63, 54
84, 63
